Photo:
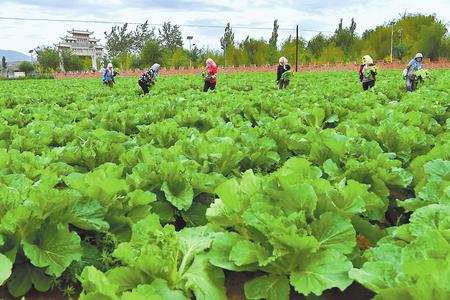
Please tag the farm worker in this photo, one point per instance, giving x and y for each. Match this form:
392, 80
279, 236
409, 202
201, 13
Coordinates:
108, 75
367, 72
211, 75
283, 68
149, 78
409, 73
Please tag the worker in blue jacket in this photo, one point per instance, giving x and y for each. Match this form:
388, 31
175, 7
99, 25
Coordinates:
108, 76
409, 73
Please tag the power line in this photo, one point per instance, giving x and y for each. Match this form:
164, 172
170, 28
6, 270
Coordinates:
155, 24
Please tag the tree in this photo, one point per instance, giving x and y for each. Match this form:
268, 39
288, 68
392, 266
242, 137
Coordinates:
432, 40
180, 58
317, 44
124, 46
256, 51
195, 54
331, 54
352, 27
136, 61
71, 62
419, 33
377, 42
26, 67
237, 56
345, 38
151, 53
48, 59
119, 41
4, 64
289, 48
272, 51
228, 38
274, 38
142, 35
170, 36
445, 48
340, 25
400, 50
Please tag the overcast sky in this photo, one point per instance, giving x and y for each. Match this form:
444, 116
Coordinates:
321, 15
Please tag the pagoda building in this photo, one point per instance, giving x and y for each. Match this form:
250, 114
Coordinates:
80, 43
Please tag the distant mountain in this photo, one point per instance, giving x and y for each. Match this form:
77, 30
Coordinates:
12, 55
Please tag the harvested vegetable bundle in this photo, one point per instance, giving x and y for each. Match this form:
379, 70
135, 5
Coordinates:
368, 70
287, 76
423, 74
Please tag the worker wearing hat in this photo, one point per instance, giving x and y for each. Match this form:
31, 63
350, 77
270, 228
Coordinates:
409, 73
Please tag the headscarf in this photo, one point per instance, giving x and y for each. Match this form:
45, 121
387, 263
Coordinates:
109, 67
210, 62
367, 60
155, 68
283, 60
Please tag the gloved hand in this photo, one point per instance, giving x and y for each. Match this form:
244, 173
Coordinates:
405, 72
208, 78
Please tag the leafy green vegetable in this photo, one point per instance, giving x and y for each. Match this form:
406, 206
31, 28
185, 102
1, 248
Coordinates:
100, 187
413, 260
270, 287
186, 269
54, 248
24, 277
423, 74
5, 269
321, 271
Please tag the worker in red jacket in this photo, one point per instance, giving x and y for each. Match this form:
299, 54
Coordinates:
367, 72
211, 75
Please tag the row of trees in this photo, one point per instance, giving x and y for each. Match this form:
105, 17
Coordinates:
411, 34
142, 46
50, 60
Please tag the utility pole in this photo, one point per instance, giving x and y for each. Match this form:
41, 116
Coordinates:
190, 37
296, 51
392, 40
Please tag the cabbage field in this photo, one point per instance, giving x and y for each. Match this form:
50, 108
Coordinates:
308, 191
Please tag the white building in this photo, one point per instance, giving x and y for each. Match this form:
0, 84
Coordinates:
80, 43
